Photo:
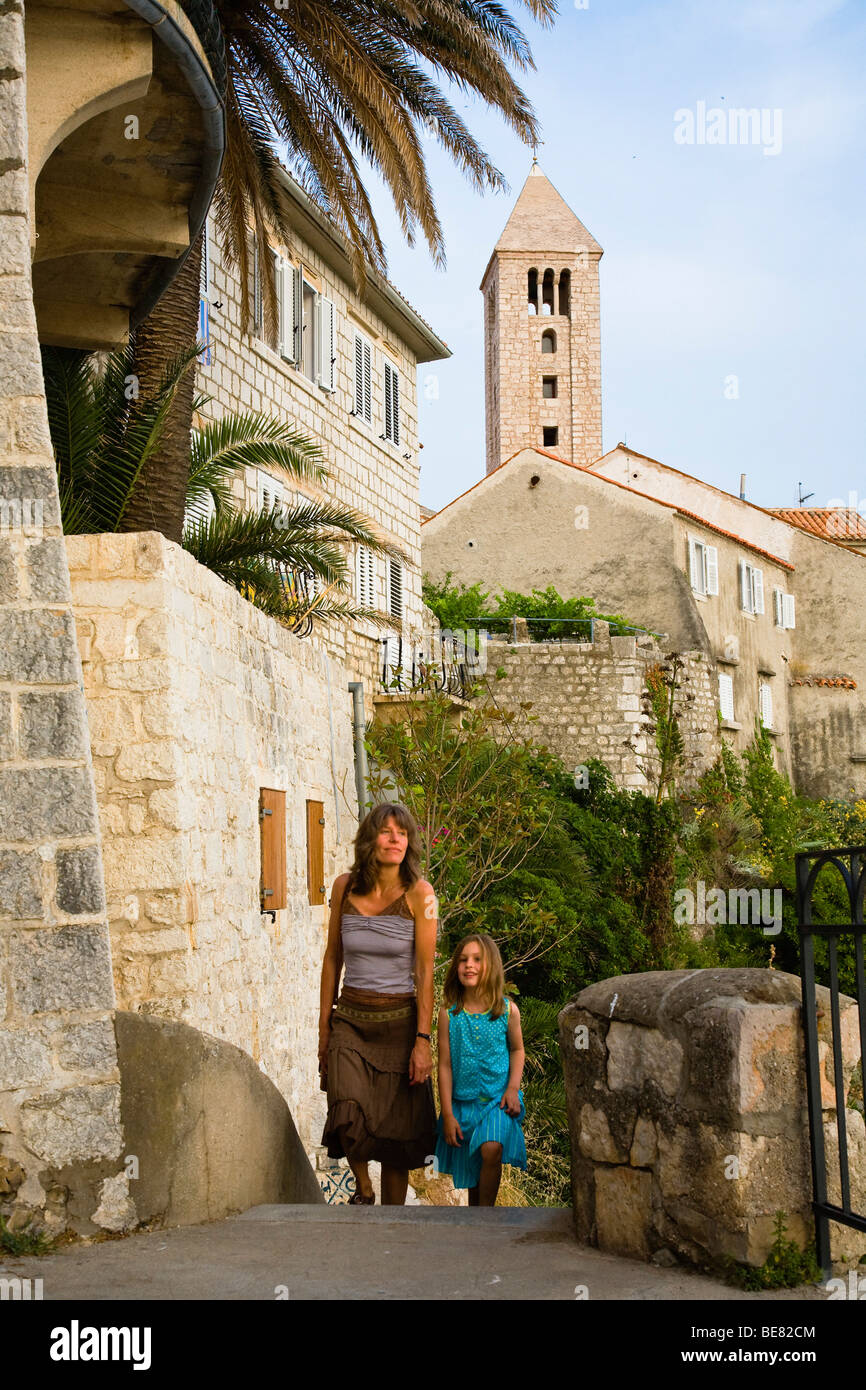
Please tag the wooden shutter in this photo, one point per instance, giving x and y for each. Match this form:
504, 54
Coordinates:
395, 589
392, 404
788, 610
258, 317
272, 818
712, 555
294, 293
758, 590
327, 343
366, 578
694, 566
316, 851
726, 698
363, 393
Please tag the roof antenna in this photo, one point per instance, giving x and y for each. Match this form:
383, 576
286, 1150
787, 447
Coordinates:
804, 497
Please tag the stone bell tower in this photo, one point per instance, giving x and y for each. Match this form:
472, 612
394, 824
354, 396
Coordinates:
542, 335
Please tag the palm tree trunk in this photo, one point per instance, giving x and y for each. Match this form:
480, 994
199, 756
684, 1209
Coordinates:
159, 500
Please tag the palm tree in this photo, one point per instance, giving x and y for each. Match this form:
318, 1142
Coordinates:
329, 83
291, 562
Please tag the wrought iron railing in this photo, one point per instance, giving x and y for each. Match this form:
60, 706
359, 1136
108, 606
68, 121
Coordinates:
851, 864
409, 666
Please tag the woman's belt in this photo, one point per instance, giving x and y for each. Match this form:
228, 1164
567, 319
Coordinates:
382, 1010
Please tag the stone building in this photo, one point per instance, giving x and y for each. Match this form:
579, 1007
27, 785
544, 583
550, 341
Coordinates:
542, 336
342, 366
766, 599
177, 770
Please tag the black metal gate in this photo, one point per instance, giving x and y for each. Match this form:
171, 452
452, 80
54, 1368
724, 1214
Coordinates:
851, 864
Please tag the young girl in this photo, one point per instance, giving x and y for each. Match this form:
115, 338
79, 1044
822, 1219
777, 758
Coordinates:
480, 1065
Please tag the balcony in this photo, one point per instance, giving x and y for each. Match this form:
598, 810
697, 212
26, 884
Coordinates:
126, 135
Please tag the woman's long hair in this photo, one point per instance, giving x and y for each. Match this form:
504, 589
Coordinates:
362, 876
491, 988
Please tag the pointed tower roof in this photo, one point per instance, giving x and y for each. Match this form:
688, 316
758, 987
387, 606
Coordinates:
541, 220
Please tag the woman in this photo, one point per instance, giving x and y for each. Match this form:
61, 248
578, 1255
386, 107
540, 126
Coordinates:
374, 1043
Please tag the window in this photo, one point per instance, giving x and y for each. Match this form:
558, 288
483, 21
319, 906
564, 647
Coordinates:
284, 336
751, 588
565, 293
309, 333
550, 436
726, 698
548, 388
365, 577
547, 293
363, 398
783, 608
203, 298
392, 404
703, 567
395, 589
548, 340
765, 704
532, 292
270, 493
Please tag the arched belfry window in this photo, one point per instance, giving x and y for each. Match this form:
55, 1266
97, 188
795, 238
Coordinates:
565, 293
547, 293
548, 340
532, 291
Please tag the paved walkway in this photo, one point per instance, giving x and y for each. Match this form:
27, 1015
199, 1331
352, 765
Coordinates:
342, 1252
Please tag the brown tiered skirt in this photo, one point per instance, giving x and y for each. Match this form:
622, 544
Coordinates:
373, 1111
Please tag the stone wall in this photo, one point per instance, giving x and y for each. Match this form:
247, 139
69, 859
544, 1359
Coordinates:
687, 1114
60, 1135
196, 699
587, 699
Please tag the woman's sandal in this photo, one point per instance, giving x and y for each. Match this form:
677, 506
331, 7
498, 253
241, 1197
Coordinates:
358, 1199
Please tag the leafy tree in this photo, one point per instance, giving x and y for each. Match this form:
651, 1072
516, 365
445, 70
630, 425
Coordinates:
103, 439
326, 84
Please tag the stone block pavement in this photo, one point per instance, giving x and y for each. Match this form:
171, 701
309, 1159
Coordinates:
347, 1253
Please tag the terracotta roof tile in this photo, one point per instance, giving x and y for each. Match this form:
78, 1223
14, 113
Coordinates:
830, 523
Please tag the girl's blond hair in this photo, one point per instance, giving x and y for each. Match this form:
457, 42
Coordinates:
491, 989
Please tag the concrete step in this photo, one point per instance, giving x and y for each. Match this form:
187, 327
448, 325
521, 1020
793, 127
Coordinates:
368, 1253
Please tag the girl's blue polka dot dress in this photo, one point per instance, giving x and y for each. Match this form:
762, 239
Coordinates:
480, 1062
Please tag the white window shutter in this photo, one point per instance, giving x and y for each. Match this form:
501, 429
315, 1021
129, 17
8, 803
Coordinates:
366, 577
726, 698
788, 610
201, 510
294, 301
712, 555
280, 272
327, 343
694, 567
745, 588
765, 704
389, 409
204, 281
758, 581
257, 290
778, 614
363, 392
395, 589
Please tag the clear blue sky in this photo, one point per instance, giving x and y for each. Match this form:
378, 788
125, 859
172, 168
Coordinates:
719, 260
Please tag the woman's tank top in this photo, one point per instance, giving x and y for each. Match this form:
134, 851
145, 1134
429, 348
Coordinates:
379, 951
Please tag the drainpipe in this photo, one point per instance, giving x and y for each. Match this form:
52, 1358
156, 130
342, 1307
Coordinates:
357, 689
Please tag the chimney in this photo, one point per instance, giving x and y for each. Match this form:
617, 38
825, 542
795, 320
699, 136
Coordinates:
742, 487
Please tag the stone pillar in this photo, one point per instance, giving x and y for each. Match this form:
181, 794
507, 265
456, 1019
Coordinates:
60, 1133
687, 1115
